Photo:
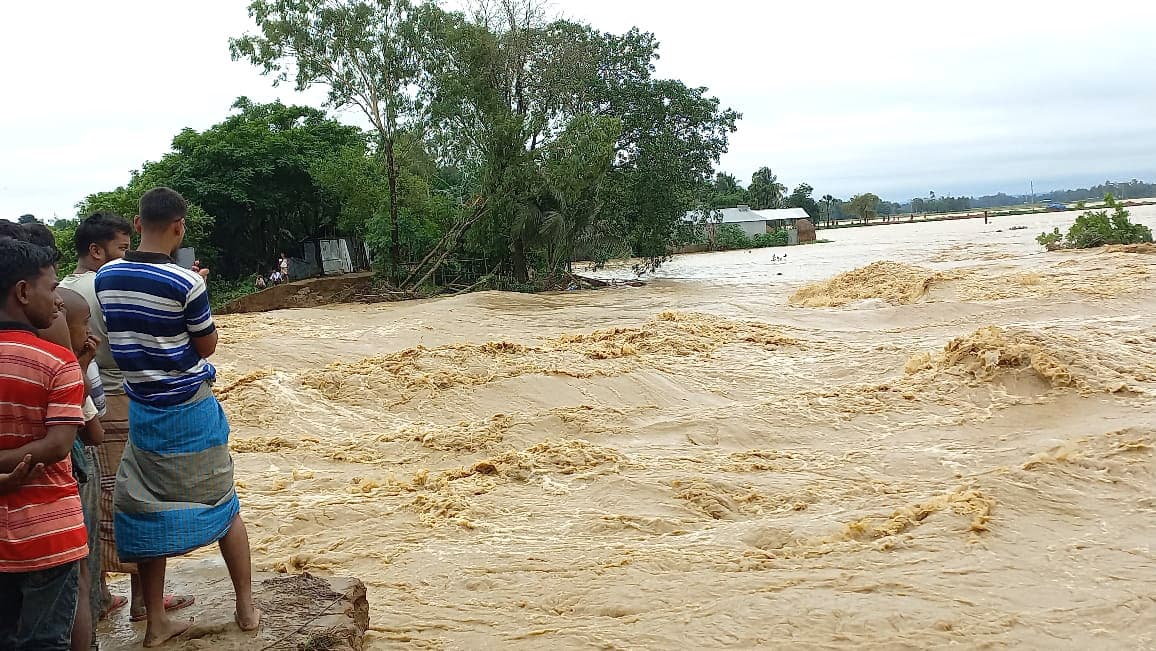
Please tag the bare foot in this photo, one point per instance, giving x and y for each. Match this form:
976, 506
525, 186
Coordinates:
161, 633
248, 624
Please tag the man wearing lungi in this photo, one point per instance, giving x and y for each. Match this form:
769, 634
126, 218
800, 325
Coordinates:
174, 488
101, 238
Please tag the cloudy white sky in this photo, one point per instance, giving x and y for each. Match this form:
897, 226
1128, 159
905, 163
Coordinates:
897, 98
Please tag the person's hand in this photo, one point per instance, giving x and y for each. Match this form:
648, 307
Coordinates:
88, 351
204, 273
20, 474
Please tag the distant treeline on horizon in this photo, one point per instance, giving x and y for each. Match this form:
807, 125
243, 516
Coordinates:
1134, 189
765, 191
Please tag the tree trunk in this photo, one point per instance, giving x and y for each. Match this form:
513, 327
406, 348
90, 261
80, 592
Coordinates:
521, 271
394, 229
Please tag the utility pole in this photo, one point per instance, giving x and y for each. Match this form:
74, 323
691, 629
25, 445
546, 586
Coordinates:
1032, 184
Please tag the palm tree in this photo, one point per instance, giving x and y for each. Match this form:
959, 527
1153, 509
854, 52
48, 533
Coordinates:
765, 190
725, 184
830, 201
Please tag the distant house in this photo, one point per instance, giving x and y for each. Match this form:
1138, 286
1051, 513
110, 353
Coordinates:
755, 222
783, 217
328, 253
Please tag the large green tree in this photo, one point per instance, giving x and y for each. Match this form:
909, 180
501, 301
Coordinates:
361, 51
673, 138
765, 190
124, 200
507, 87
254, 174
250, 179
726, 192
865, 206
801, 197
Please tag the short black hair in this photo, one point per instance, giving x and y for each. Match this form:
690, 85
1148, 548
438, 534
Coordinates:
100, 227
42, 236
21, 261
12, 230
161, 206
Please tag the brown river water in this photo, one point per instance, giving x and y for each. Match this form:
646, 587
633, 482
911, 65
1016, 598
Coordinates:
954, 446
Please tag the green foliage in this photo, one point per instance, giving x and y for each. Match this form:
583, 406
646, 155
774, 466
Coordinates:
224, 290
865, 205
934, 204
801, 198
765, 190
1133, 189
732, 236
501, 142
249, 181
1051, 241
365, 53
831, 208
513, 100
676, 135
690, 233
1097, 228
777, 237
65, 232
725, 192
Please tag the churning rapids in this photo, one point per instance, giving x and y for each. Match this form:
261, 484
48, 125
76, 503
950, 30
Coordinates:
917, 435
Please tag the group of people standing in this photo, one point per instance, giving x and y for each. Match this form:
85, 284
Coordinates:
113, 450
280, 274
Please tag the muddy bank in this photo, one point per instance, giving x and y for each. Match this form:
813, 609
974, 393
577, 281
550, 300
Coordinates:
300, 611
703, 464
311, 292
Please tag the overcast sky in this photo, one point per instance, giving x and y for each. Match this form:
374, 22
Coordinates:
895, 98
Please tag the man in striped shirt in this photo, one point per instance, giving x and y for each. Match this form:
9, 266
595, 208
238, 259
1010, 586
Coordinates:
101, 238
174, 489
42, 533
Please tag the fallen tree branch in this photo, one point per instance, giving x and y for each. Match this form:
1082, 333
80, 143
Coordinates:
458, 232
444, 246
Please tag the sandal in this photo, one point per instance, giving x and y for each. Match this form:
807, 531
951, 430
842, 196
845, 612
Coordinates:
116, 604
172, 602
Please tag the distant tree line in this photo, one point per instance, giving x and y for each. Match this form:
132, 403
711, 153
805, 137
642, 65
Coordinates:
766, 192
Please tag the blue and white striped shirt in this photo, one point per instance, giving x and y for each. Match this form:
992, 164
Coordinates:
153, 309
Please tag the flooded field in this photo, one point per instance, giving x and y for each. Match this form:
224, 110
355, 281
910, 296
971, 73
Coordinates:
954, 446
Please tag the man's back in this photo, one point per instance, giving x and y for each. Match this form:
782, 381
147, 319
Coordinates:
153, 308
41, 523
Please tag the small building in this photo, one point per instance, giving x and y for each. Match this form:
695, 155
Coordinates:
337, 255
755, 222
328, 254
777, 218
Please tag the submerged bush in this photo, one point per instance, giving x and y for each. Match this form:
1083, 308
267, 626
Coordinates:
1051, 241
774, 238
731, 237
1098, 228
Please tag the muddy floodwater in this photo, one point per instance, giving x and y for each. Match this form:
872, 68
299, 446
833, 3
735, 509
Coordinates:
915, 436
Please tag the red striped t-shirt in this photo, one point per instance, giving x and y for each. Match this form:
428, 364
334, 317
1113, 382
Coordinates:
41, 523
